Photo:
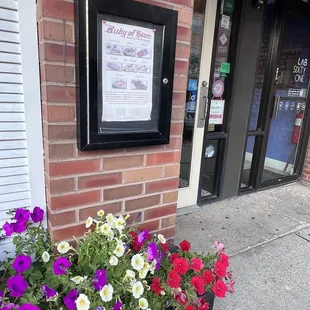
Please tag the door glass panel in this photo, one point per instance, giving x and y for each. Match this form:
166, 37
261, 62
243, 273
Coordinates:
248, 160
292, 85
191, 93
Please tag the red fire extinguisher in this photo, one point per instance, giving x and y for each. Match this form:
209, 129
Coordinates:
297, 127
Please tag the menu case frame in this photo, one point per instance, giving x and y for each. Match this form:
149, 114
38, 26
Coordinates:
94, 134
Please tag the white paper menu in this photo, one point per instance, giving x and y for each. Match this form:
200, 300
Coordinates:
127, 72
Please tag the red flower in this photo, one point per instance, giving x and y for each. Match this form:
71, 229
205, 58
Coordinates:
164, 247
156, 286
185, 246
220, 269
230, 286
181, 298
189, 308
196, 264
173, 256
203, 305
219, 289
208, 277
135, 244
198, 285
224, 259
174, 279
180, 265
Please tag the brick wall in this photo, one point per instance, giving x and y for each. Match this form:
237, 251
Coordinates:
120, 181
306, 175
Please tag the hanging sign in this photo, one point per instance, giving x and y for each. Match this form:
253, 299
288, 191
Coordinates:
225, 67
300, 70
223, 42
229, 6
217, 112
218, 89
225, 21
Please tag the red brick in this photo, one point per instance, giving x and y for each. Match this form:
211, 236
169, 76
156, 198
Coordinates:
54, 30
185, 15
92, 211
178, 113
74, 167
172, 171
144, 174
122, 162
168, 221
163, 158
60, 113
99, 180
169, 233
70, 54
188, 3
150, 226
175, 143
61, 94
59, 132
57, 74
135, 217
170, 197
57, 9
176, 129
184, 34
60, 186
179, 99
142, 203
60, 219
161, 186
60, 151
68, 232
122, 192
160, 212
180, 83
181, 67
74, 200
183, 50
52, 52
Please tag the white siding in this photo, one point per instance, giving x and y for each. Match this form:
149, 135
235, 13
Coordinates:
14, 170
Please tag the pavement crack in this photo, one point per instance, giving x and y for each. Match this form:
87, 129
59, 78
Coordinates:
302, 237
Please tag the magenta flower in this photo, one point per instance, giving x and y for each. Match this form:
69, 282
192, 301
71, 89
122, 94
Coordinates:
29, 307
21, 263
19, 227
152, 251
61, 265
117, 306
49, 292
8, 228
143, 236
158, 260
12, 306
22, 215
37, 215
1, 298
70, 299
17, 285
100, 279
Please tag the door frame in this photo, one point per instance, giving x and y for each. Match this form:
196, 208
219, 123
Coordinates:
264, 120
188, 196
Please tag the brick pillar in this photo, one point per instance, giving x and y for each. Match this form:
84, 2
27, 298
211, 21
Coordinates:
139, 180
306, 175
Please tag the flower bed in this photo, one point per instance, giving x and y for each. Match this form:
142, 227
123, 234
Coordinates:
109, 268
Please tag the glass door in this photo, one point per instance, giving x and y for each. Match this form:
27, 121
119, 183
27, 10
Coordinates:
289, 102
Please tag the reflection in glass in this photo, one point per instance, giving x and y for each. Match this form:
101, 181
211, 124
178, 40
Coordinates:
247, 166
191, 95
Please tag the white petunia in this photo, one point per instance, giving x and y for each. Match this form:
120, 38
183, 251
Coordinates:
137, 262
113, 260
78, 279
89, 222
161, 238
111, 220
63, 247
137, 289
46, 257
111, 235
146, 266
82, 302
100, 213
143, 303
130, 274
120, 223
105, 229
119, 250
106, 293
153, 266
143, 272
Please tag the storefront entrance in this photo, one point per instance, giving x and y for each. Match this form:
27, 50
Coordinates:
246, 119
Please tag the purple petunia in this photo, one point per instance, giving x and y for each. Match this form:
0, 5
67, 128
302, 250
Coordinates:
49, 292
61, 265
8, 228
1, 297
19, 227
143, 236
100, 279
158, 260
37, 215
17, 285
29, 307
12, 306
70, 299
21, 263
152, 251
117, 306
22, 215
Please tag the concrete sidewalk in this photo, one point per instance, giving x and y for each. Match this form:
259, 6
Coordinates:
268, 236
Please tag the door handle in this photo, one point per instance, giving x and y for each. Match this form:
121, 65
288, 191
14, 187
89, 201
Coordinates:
276, 107
204, 100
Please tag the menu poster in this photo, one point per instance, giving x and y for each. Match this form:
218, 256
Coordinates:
217, 112
127, 72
